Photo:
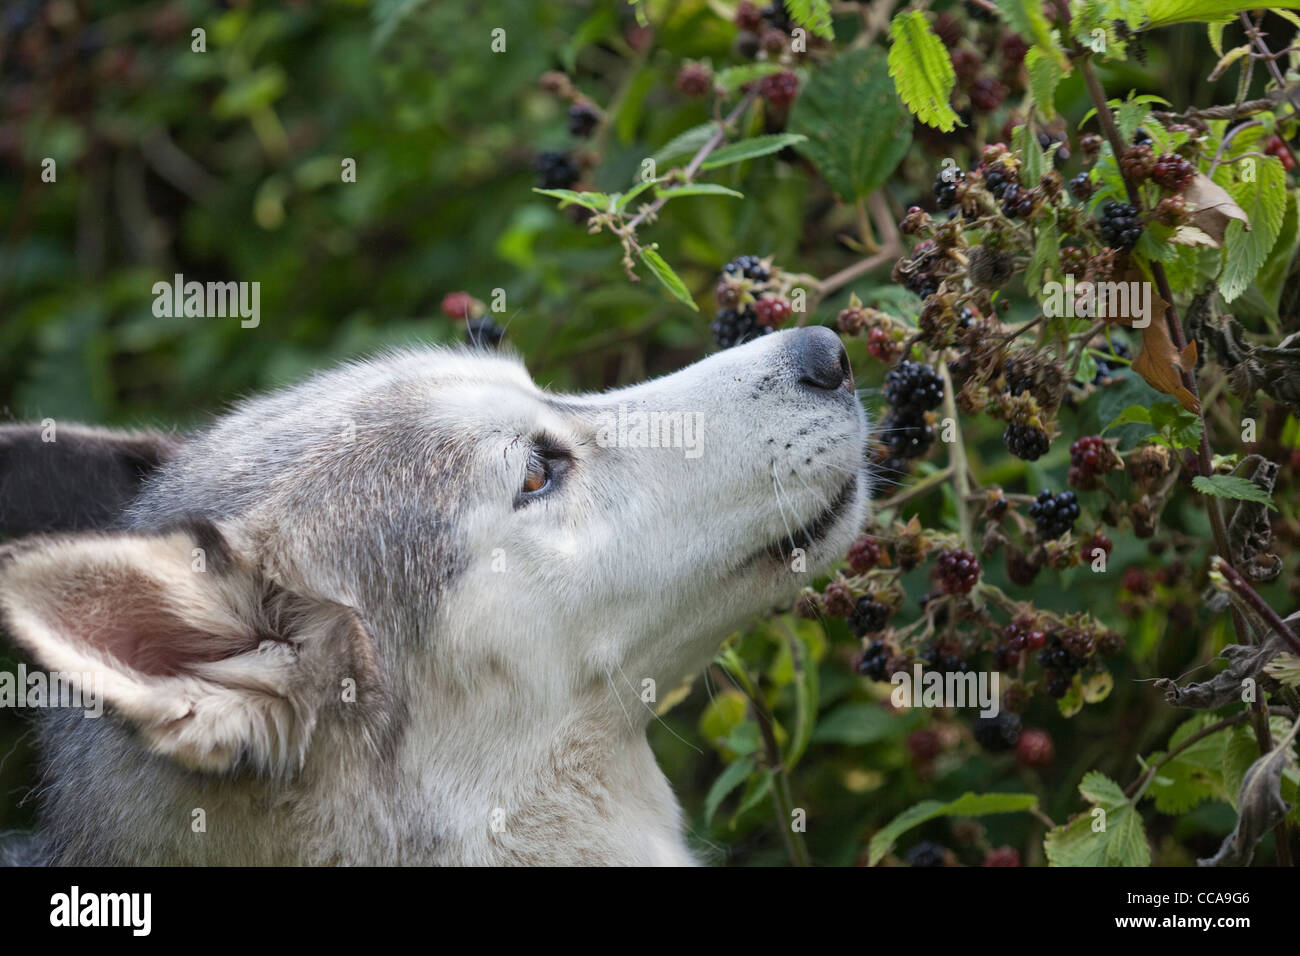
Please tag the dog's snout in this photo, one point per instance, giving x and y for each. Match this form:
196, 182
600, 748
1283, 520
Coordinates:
821, 359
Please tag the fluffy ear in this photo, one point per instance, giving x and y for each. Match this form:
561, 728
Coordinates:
211, 663
56, 477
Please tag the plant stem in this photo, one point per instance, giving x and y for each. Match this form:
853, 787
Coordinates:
957, 459
1248, 594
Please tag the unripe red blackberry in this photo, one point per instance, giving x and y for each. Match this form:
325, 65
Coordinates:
457, 305
966, 64
838, 599
772, 311
1276, 146
881, 345
925, 745
1137, 163
1078, 642
1097, 541
772, 40
808, 605
1014, 48
1136, 581
852, 320
748, 16
957, 571
865, 553
947, 29
1090, 147
1016, 698
1003, 856
1110, 644
779, 89
1089, 459
1173, 172
694, 79
1034, 748
987, 94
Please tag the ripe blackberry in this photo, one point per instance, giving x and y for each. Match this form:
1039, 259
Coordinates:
733, 326
1173, 172
906, 436
777, 15
1054, 514
996, 179
1138, 162
484, 333
1057, 684
1120, 226
1057, 657
751, 267
694, 79
957, 571
583, 119
925, 853
772, 311
874, 661
945, 190
997, 734
1106, 369
555, 170
1018, 202
1026, 442
779, 89
1081, 187
866, 553
913, 387
1141, 136
922, 284
869, 617
1088, 455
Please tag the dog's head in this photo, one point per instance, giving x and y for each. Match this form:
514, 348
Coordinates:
431, 522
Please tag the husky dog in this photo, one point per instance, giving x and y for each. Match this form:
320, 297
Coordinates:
405, 612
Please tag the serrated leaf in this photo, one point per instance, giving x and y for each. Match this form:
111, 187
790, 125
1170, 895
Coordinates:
1264, 203
922, 70
967, 805
670, 280
1232, 486
1032, 161
621, 200
1121, 843
684, 144
1193, 776
727, 781
1160, 13
857, 130
1027, 18
699, 189
598, 202
1285, 668
813, 15
1045, 76
750, 149
1181, 427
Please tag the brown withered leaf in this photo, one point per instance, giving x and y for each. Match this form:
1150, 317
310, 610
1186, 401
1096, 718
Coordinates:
1213, 208
1159, 361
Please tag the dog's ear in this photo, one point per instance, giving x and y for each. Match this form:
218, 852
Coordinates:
56, 477
212, 664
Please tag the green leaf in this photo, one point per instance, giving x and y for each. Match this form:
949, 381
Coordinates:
1027, 18
1044, 77
1047, 253
1120, 841
1161, 13
967, 805
750, 148
1264, 203
621, 200
684, 144
857, 723
698, 189
813, 15
759, 786
1133, 415
1231, 486
805, 699
1194, 775
664, 273
1181, 428
1272, 276
727, 781
734, 77
857, 130
922, 71
595, 201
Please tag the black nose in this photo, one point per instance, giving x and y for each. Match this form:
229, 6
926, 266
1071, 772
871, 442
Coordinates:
821, 359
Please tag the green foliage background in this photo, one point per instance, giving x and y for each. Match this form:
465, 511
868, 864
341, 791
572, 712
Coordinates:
444, 133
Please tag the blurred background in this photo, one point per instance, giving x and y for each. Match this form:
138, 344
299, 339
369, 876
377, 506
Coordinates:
225, 165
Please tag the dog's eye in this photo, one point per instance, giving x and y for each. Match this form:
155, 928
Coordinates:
538, 475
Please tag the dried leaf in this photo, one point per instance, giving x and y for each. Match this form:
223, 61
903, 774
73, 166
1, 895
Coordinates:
1159, 362
1191, 236
1245, 661
1260, 803
1213, 207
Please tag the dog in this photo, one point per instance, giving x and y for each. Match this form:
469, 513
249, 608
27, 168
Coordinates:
406, 612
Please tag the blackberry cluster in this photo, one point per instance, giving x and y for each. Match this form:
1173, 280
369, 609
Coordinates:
996, 179
1018, 202
906, 438
737, 322
869, 616
555, 170
583, 119
1054, 514
733, 326
874, 661
1026, 442
864, 554
751, 267
945, 191
957, 571
997, 734
1059, 667
1173, 172
1017, 637
1119, 225
913, 388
